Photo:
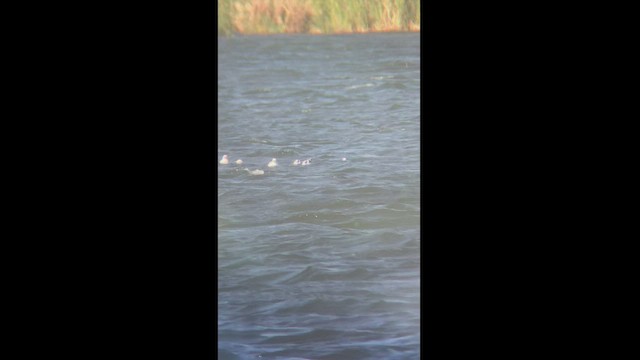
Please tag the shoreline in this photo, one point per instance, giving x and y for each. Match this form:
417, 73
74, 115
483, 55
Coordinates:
365, 32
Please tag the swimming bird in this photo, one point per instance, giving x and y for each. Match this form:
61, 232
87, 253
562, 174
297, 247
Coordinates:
272, 163
255, 172
306, 162
295, 162
225, 160
239, 161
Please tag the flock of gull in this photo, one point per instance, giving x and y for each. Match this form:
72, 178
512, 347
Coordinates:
273, 163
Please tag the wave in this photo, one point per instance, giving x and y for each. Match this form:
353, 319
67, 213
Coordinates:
312, 273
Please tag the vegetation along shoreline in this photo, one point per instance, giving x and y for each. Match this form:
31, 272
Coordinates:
262, 17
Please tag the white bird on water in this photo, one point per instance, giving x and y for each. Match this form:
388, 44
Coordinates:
239, 161
255, 172
272, 163
225, 160
295, 162
306, 162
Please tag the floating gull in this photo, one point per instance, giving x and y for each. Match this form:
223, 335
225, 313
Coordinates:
306, 162
225, 160
255, 172
239, 161
273, 163
295, 162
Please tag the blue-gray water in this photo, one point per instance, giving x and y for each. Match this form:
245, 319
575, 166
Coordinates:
319, 261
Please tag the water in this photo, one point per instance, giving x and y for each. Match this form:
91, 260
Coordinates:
320, 261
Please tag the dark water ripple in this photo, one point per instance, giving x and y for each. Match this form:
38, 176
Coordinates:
322, 261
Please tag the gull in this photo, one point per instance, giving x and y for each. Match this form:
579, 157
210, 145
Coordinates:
239, 161
273, 163
225, 160
306, 162
295, 162
255, 172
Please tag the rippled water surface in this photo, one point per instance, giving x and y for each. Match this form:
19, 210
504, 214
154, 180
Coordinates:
319, 261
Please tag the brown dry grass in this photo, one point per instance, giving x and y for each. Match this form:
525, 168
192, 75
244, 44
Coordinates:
272, 16
317, 16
